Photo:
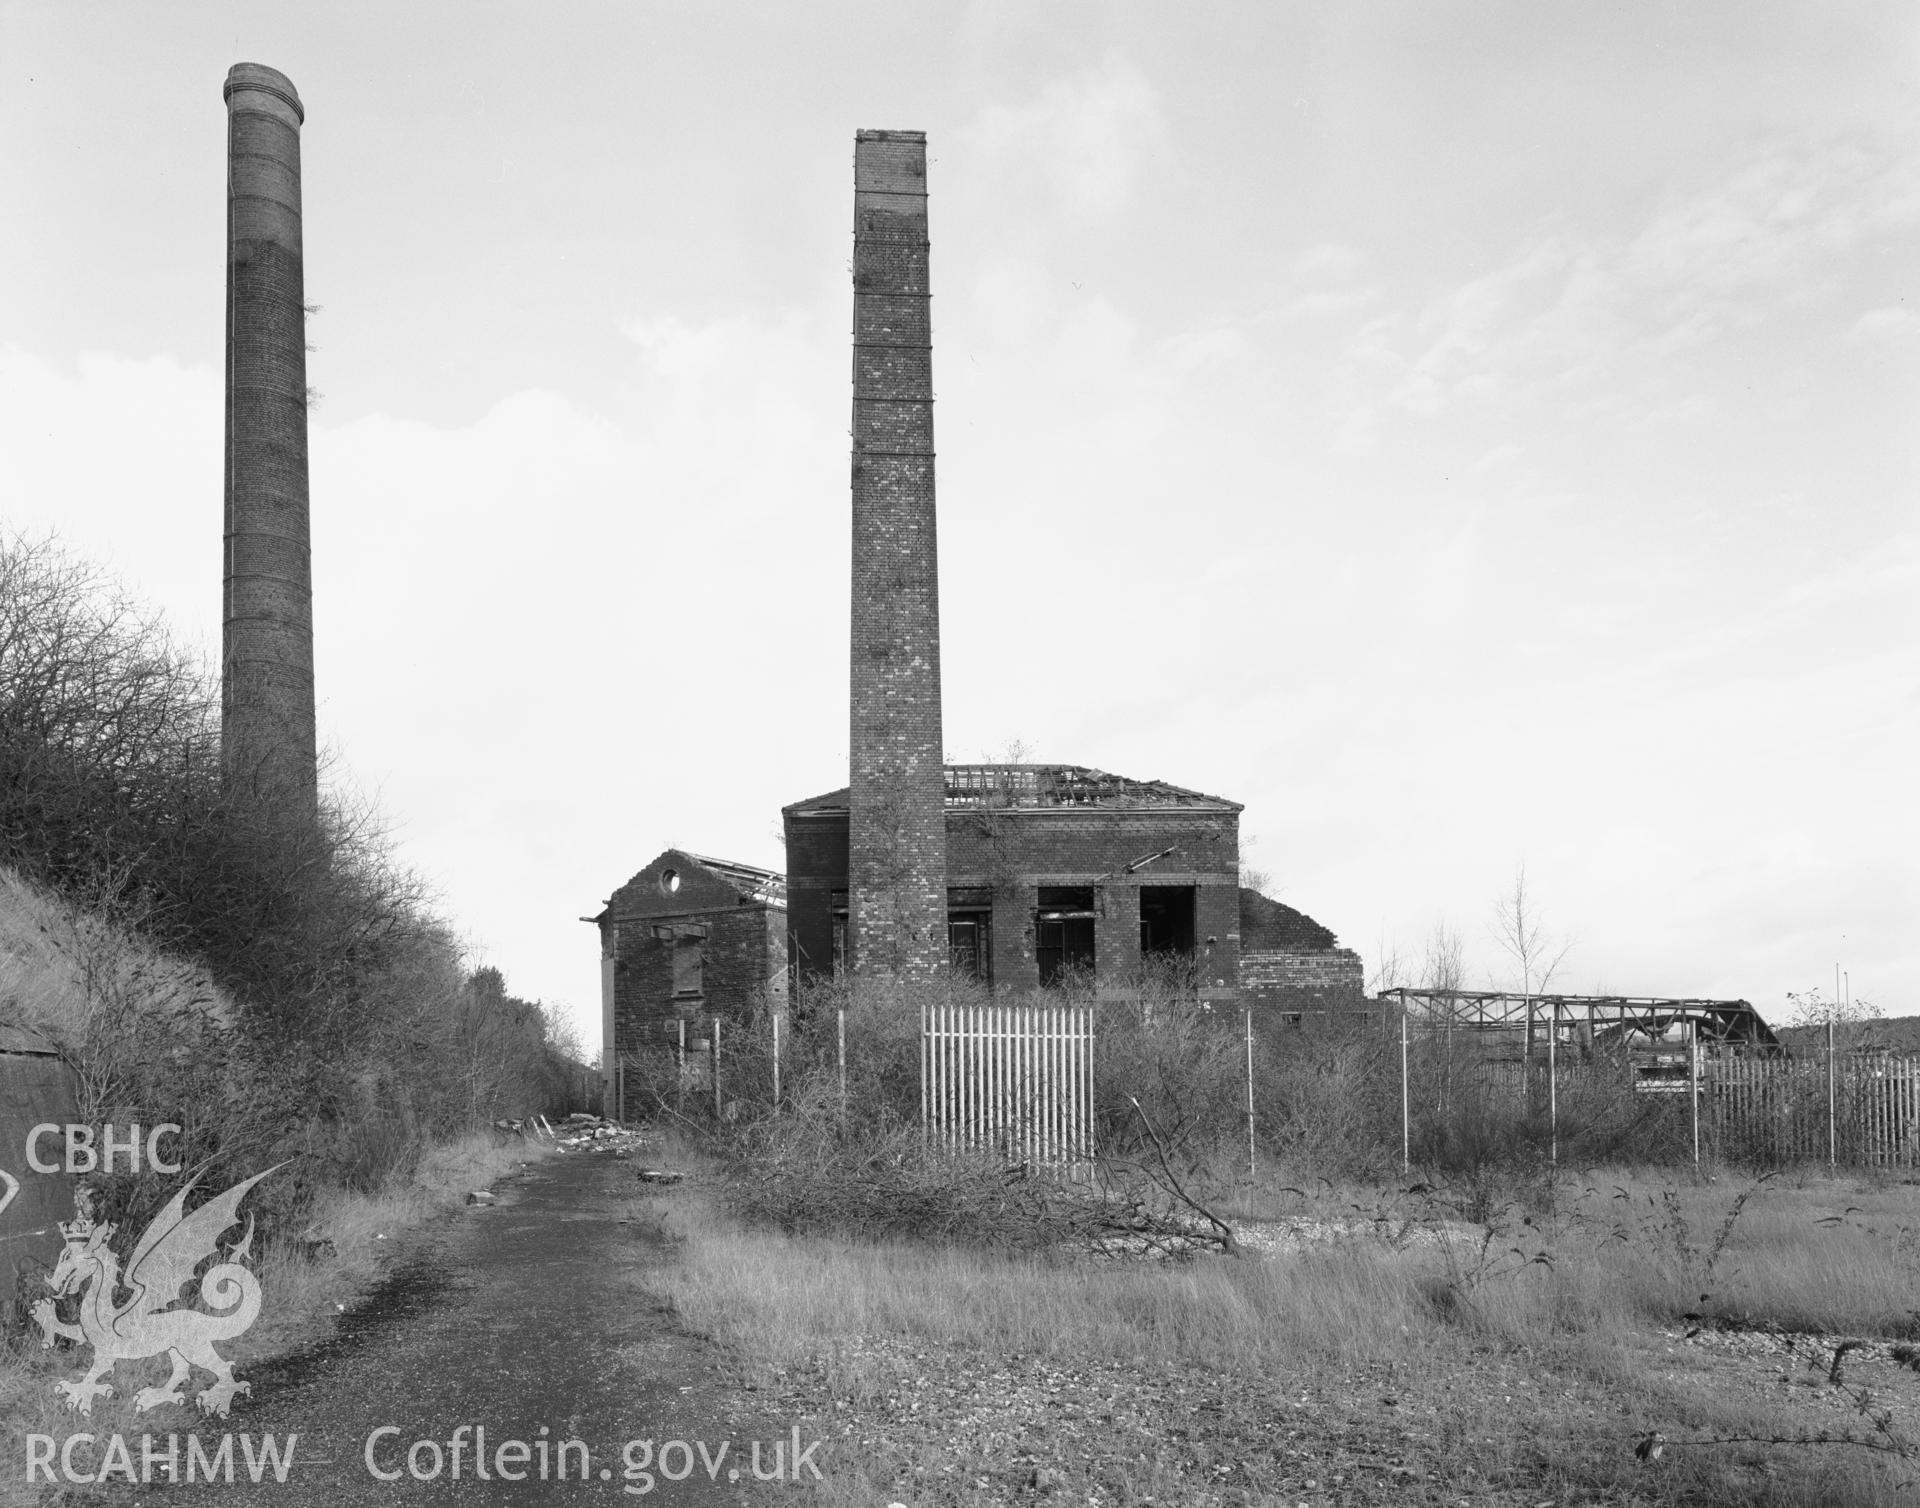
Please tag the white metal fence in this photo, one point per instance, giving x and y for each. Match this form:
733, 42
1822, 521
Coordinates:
1014, 1080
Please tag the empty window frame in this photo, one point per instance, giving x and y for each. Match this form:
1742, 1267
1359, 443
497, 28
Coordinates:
689, 966
1166, 919
837, 905
1063, 932
970, 932
970, 945
687, 948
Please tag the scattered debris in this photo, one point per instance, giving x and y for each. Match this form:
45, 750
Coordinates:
596, 1133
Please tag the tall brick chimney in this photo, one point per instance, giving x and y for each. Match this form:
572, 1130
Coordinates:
897, 834
267, 710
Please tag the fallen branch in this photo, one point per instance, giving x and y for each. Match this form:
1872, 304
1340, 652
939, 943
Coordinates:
1224, 1234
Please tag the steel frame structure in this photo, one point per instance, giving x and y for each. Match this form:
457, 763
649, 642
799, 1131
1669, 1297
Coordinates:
1590, 1018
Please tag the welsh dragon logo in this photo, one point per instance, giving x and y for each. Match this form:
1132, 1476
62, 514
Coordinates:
171, 1247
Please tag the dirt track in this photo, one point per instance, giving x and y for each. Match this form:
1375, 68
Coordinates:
524, 1319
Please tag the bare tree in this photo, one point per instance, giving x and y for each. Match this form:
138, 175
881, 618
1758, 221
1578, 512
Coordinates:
1445, 965
1390, 969
1519, 926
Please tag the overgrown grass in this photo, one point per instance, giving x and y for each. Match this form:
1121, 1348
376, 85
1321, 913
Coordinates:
1567, 1294
786, 1297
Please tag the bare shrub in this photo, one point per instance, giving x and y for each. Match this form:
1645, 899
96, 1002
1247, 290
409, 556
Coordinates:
1179, 1057
1326, 1095
276, 984
859, 1163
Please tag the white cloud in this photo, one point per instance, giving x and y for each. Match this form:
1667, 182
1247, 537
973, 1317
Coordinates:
1573, 312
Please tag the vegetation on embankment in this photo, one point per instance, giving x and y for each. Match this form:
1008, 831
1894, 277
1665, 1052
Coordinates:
279, 987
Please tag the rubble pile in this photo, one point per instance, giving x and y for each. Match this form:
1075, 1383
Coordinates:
582, 1128
585, 1132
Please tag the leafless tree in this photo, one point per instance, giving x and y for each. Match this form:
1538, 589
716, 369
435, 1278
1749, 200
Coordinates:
1519, 926
1390, 969
1445, 965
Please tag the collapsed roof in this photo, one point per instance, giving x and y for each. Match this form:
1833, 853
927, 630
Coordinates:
1036, 787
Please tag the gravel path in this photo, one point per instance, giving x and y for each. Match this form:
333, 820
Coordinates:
524, 1319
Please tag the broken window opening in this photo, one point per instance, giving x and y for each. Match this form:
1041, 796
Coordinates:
837, 903
688, 942
969, 945
1166, 919
1063, 932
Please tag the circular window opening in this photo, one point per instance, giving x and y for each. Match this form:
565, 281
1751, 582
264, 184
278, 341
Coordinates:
669, 881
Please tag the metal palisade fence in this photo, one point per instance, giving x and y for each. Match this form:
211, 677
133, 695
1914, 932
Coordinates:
1862, 1109
1856, 1109
1014, 1080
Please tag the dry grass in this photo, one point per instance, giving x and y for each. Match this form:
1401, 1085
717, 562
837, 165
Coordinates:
59, 962
301, 1284
1541, 1374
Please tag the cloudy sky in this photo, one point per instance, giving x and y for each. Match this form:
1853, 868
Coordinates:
1470, 435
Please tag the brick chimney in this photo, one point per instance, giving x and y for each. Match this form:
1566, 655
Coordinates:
897, 836
267, 708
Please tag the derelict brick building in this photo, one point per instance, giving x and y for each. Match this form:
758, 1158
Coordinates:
1018, 876
1052, 869
688, 938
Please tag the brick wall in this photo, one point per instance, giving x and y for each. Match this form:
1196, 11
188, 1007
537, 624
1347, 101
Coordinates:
267, 699
1305, 979
1015, 852
897, 835
742, 955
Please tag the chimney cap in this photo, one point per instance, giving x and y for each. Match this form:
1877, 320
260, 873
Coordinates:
889, 135
265, 80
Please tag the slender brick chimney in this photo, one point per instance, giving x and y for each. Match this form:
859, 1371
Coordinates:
267, 716
897, 835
